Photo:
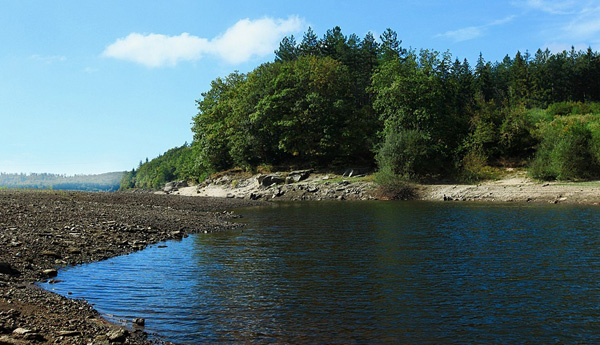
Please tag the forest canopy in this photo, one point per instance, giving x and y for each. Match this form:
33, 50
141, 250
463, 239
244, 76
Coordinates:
339, 101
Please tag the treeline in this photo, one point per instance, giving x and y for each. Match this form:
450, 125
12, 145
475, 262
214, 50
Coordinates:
107, 182
344, 100
176, 164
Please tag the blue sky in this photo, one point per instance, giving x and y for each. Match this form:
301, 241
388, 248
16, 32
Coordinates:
96, 86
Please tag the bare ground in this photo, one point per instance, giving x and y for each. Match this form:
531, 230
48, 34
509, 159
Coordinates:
515, 187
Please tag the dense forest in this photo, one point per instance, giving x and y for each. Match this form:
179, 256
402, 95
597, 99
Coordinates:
107, 182
340, 101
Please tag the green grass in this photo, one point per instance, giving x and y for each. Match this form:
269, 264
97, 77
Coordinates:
338, 179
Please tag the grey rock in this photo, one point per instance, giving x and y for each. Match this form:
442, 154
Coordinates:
170, 187
297, 176
269, 180
117, 335
139, 321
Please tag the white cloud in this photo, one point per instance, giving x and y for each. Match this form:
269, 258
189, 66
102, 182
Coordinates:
473, 32
241, 42
463, 34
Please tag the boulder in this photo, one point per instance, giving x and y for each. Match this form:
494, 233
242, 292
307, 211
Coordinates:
297, 176
170, 187
269, 180
117, 335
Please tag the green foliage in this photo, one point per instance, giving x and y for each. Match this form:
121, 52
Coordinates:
176, 164
393, 187
568, 149
406, 153
475, 167
341, 100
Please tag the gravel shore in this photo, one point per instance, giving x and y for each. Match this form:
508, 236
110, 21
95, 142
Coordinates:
42, 231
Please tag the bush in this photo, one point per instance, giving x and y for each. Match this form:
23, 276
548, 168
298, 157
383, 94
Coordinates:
567, 151
393, 187
475, 167
405, 153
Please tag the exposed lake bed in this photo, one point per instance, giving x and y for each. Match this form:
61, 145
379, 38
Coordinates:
43, 231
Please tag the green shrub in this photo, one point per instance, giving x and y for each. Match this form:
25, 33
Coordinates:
406, 153
568, 150
393, 187
475, 167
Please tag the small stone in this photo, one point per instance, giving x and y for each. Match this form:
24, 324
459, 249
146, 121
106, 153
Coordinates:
50, 272
139, 321
50, 254
69, 333
21, 331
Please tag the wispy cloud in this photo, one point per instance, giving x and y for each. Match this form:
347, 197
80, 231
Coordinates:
472, 32
585, 25
567, 23
48, 59
241, 42
561, 7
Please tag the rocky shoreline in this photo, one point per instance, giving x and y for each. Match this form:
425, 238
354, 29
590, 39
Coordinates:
43, 231
283, 186
515, 186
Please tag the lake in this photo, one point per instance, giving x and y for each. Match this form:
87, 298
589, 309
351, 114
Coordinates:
365, 273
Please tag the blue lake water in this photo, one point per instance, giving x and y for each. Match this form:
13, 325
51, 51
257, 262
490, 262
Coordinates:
365, 273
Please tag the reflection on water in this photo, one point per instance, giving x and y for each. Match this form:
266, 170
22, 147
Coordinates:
408, 272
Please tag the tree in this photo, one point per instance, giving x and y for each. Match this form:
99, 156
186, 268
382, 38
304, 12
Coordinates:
288, 50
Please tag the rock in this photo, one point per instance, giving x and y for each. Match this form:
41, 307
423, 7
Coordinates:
355, 172
50, 273
170, 187
230, 195
297, 176
181, 184
51, 254
312, 189
6, 268
139, 321
278, 192
101, 340
21, 331
69, 333
268, 180
117, 335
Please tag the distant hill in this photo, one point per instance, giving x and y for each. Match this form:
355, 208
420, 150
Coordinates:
106, 182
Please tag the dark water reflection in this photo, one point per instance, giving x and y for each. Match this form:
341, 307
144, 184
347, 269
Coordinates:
366, 273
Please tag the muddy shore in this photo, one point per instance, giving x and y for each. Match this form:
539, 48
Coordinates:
41, 232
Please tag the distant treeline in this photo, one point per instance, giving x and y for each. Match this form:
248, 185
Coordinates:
345, 101
94, 183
